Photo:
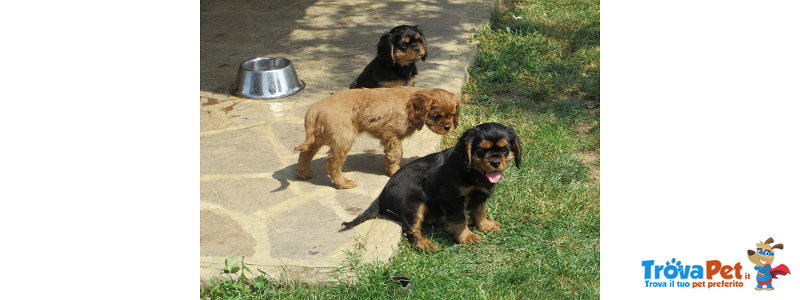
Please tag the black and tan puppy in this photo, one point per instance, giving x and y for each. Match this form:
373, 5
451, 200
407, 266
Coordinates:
447, 186
398, 50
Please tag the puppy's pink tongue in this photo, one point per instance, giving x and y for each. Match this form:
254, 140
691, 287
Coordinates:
494, 177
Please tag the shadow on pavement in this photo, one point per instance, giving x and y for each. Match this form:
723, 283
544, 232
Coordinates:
363, 162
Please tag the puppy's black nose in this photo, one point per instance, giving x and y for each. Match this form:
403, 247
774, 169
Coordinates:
494, 163
446, 126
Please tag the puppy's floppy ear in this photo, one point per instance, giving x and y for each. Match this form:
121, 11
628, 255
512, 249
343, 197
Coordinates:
777, 246
515, 147
469, 152
465, 144
423, 42
455, 118
417, 109
424, 46
769, 241
386, 50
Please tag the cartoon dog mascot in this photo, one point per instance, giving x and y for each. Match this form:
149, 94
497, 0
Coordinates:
763, 257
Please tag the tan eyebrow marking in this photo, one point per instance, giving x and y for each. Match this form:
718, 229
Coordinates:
501, 143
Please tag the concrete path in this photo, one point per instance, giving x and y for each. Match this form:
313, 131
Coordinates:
251, 204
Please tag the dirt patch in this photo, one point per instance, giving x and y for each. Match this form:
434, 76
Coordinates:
591, 160
583, 128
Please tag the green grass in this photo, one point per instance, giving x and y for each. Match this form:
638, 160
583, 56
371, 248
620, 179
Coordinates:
542, 76
551, 53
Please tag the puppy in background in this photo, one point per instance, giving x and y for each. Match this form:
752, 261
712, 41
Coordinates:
398, 50
388, 114
448, 187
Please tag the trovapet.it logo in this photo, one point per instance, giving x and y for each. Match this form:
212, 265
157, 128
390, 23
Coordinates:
674, 273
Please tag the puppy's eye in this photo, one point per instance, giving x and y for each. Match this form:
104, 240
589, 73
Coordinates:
437, 117
505, 151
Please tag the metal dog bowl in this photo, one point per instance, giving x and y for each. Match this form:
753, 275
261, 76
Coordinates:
267, 78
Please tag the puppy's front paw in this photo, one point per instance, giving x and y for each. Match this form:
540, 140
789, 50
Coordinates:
425, 245
488, 226
347, 184
469, 238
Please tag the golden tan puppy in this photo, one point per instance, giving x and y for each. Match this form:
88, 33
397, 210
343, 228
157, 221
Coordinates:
388, 114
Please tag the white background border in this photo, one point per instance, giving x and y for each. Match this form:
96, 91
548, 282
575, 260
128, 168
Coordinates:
101, 157
699, 144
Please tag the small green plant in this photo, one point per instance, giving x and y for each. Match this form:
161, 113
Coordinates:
234, 284
232, 267
353, 257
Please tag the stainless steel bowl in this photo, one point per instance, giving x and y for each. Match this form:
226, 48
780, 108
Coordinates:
267, 78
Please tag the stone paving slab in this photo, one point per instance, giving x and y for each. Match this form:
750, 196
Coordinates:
251, 203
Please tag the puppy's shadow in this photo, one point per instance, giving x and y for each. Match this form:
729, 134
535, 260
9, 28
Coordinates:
362, 162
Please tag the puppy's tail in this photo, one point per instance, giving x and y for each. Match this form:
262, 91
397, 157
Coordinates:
311, 124
371, 212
